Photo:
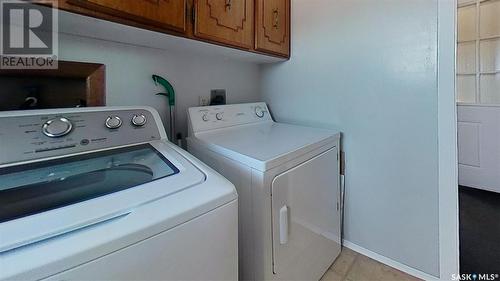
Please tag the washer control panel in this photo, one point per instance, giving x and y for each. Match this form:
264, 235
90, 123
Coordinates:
55, 133
215, 117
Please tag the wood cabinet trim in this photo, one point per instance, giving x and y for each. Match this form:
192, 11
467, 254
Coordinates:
238, 27
96, 87
213, 38
93, 73
263, 41
266, 32
115, 13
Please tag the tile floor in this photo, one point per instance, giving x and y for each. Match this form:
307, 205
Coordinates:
351, 266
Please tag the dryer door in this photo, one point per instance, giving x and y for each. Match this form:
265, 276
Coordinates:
306, 218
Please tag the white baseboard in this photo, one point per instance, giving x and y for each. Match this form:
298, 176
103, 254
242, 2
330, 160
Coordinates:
389, 262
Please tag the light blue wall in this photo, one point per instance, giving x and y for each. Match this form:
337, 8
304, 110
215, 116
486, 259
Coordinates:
369, 68
129, 69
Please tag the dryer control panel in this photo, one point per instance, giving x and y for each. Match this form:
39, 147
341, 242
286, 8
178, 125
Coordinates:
221, 116
38, 134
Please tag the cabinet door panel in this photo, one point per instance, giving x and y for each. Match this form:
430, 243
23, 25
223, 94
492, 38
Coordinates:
226, 21
169, 14
273, 26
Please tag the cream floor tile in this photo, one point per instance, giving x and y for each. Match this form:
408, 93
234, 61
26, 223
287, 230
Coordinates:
365, 269
344, 262
391, 274
351, 266
332, 276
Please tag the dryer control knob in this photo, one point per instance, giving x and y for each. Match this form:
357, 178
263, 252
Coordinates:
259, 111
139, 120
57, 127
113, 122
205, 117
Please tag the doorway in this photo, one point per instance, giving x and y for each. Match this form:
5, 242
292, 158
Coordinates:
478, 116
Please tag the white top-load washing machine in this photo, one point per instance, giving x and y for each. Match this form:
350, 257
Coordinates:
287, 179
101, 194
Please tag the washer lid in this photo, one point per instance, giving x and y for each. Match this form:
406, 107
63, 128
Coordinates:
266, 145
43, 199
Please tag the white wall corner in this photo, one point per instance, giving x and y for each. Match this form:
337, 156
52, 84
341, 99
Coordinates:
447, 138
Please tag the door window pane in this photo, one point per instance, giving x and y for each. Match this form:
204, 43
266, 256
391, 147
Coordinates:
490, 88
489, 24
466, 88
490, 55
466, 58
467, 23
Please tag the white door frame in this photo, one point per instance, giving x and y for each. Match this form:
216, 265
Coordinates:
447, 138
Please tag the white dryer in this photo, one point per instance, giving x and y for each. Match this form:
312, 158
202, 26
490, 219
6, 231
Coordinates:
101, 194
287, 179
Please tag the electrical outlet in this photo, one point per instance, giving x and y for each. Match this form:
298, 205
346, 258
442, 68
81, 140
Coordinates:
217, 96
203, 101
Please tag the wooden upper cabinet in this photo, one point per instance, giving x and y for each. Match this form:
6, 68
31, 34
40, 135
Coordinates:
261, 26
229, 22
165, 14
272, 26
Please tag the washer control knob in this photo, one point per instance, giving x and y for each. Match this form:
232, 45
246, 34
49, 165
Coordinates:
139, 120
205, 117
57, 127
219, 116
113, 122
259, 111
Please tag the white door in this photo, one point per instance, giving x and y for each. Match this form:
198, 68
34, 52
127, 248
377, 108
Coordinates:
306, 218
